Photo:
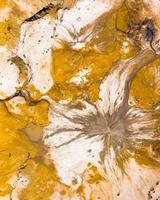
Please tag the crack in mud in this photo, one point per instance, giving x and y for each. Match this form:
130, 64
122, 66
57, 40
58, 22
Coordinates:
20, 170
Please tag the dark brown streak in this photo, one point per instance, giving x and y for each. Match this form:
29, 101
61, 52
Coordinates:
24, 94
62, 130
44, 11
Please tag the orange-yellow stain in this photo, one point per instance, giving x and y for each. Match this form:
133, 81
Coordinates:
145, 88
99, 56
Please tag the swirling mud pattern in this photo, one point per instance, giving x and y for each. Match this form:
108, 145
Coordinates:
79, 100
